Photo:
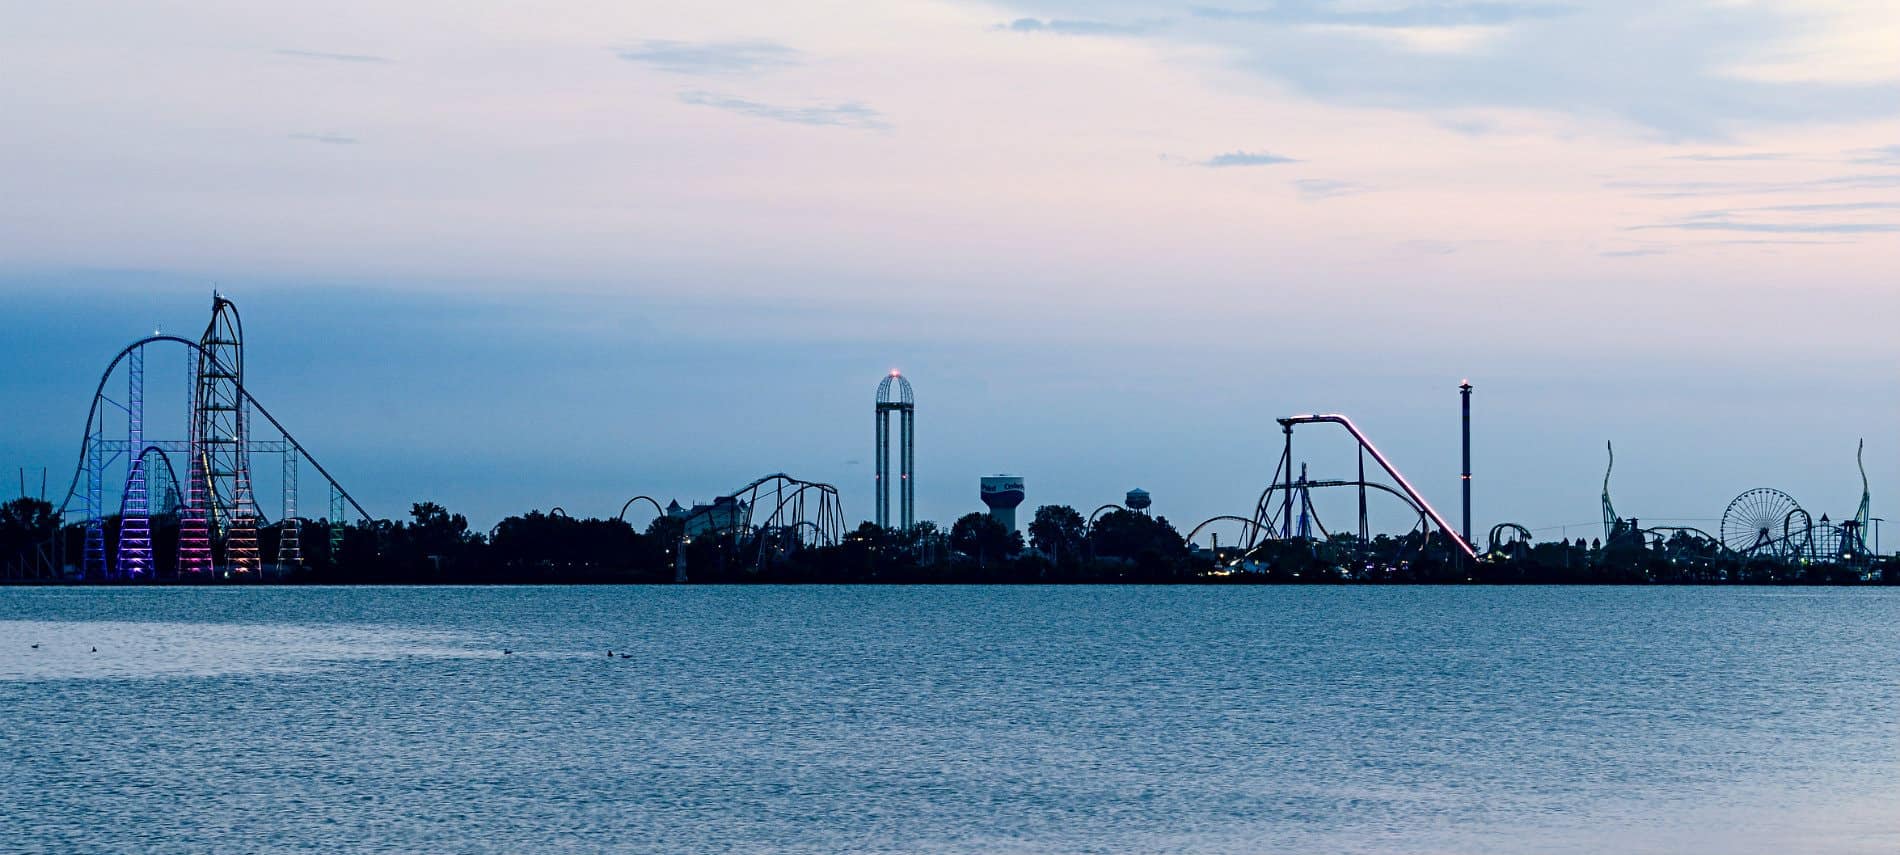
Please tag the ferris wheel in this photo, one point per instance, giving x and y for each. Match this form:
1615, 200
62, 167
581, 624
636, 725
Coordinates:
1767, 523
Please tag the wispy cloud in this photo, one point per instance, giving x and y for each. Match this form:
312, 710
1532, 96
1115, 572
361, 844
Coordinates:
1312, 189
1733, 158
1885, 155
326, 55
1067, 27
1417, 15
1827, 207
1783, 242
328, 139
1777, 228
848, 114
1247, 158
1664, 68
1634, 253
1693, 189
711, 58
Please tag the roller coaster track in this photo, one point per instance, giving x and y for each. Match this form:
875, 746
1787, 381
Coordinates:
170, 470
1437, 519
99, 398
1263, 515
657, 510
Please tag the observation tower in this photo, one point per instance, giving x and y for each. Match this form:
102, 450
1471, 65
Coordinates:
905, 406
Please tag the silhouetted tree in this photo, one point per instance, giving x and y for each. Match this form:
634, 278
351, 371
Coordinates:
980, 536
1058, 531
25, 523
1150, 542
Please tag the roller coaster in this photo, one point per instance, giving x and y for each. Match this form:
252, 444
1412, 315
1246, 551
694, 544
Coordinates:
1762, 525
768, 519
214, 506
1768, 524
1285, 514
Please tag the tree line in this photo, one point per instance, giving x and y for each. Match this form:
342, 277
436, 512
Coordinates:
435, 545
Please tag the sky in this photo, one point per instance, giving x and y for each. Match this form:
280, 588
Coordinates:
511, 256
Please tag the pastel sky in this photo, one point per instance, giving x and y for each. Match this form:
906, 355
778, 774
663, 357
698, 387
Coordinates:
508, 256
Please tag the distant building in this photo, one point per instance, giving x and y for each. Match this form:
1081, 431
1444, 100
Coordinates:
724, 514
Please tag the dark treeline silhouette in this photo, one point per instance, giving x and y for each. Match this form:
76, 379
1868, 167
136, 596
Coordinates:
436, 546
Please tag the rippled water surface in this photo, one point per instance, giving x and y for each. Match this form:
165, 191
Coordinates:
875, 719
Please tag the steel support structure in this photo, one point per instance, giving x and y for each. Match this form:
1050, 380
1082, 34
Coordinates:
135, 504
336, 523
194, 521
224, 431
289, 527
93, 558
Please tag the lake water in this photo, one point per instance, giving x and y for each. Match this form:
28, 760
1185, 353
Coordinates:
954, 720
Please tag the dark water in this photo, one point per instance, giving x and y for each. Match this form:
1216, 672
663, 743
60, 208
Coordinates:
1030, 720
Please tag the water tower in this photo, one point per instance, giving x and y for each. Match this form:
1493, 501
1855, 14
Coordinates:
1137, 500
1003, 493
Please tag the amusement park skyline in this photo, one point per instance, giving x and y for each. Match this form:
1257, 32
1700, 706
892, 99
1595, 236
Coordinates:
504, 260
976, 417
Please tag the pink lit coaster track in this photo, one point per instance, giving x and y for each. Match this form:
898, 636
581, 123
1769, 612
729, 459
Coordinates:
1285, 510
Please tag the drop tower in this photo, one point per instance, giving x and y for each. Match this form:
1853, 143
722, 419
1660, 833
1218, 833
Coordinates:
894, 396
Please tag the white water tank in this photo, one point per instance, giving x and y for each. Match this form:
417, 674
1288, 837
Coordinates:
1002, 493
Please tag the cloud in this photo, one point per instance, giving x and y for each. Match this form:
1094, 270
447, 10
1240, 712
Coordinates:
1778, 228
1835, 218
325, 55
1067, 27
842, 115
1247, 158
1885, 155
711, 58
1634, 253
1817, 208
1733, 158
1417, 15
330, 139
1829, 207
1667, 69
1783, 242
1326, 188
1692, 189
